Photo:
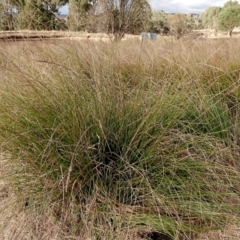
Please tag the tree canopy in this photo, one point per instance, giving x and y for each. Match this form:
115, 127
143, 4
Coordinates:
210, 17
31, 14
116, 17
159, 19
178, 24
78, 11
120, 17
229, 17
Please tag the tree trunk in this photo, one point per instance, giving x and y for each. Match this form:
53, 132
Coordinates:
118, 36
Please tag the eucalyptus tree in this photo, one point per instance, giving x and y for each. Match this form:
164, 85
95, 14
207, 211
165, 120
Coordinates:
78, 14
118, 17
38, 14
210, 17
194, 22
159, 21
229, 17
7, 15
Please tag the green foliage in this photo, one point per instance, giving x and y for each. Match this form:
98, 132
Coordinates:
119, 18
229, 17
139, 17
7, 17
159, 21
34, 16
194, 22
37, 15
78, 13
231, 3
210, 17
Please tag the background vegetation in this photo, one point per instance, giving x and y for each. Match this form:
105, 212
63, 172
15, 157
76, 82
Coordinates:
225, 18
113, 17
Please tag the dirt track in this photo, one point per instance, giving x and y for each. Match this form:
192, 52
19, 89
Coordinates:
40, 35
28, 35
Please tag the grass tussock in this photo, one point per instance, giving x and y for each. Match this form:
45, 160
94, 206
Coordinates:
122, 139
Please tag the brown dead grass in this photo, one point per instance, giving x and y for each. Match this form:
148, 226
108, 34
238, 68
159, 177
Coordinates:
38, 35
28, 35
44, 227
231, 232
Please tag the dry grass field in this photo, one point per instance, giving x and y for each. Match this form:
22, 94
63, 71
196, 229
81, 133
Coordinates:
28, 35
165, 112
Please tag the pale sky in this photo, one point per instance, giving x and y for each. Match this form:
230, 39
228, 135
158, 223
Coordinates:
177, 6
185, 6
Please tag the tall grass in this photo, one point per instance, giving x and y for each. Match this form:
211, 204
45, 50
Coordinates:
111, 139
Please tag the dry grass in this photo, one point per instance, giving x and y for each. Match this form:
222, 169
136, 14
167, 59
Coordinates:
229, 232
28, 35
195, 83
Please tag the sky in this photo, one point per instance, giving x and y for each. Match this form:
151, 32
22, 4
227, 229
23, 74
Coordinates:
183, 6
177, 6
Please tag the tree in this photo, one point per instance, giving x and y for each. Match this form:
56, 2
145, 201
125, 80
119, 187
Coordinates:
231, 3
38, 14
210, 17
193, 21
159, 21
178, 24
139, 17
229, 17
118, 17
78, 12
7, 16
